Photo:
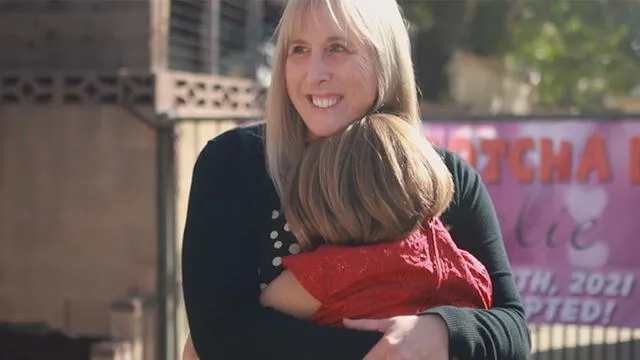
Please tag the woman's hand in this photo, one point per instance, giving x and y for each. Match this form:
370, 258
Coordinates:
413, 337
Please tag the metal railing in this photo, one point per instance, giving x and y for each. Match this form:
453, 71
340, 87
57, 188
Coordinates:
572, 342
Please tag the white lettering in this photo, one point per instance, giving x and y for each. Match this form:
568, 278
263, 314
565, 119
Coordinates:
569, 309
533, 281
612, 284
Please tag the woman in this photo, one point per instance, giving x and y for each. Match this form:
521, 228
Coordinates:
335, 62
364, 205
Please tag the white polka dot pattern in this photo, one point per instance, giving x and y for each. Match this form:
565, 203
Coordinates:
277, 261
283, 245
294, 248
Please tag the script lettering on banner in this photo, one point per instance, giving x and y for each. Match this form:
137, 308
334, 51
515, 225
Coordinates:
566, 193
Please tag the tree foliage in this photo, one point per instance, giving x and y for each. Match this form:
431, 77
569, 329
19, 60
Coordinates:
581, 51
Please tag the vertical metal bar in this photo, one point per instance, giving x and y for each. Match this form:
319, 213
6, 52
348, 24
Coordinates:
591, 346
565, 342
166, 276
213, 20
550, 331
253, 35
634, 341
605, 343
617, 344
535, 332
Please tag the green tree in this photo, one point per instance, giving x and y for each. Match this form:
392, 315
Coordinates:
439, 27
582, 50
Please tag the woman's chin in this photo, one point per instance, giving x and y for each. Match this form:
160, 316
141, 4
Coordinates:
314, 135
326, 130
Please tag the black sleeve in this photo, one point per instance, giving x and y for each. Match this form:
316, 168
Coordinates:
220, 273
500, 333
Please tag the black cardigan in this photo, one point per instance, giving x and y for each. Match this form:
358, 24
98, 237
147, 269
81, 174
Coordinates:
229, 211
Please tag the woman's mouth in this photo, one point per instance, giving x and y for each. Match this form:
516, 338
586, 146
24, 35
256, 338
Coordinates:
324, 102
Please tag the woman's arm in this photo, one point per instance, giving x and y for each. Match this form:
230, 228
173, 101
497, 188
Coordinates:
501, 332
220, 270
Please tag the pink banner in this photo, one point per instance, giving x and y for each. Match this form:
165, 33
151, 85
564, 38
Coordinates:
568, 196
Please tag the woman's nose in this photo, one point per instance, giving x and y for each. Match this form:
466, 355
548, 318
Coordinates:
319, 70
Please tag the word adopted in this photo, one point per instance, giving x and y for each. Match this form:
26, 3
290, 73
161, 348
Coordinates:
569, 310
554, 166
577, 297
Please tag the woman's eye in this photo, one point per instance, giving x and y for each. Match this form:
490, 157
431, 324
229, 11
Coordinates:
298, 49
337, 48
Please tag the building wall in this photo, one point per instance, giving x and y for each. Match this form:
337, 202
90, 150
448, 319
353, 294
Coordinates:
75, 35
627, 104
486, 87
77, 213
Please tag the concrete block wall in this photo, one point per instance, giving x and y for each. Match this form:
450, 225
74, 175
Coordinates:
77, 213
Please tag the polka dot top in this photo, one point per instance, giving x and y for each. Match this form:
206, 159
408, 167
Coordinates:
279, 243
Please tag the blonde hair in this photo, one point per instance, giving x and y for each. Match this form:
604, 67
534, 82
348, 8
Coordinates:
382, 28
377, 180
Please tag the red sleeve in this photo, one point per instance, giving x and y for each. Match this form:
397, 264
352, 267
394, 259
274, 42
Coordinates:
331, 269
312, 271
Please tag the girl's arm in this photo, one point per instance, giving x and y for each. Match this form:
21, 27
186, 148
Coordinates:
286, 294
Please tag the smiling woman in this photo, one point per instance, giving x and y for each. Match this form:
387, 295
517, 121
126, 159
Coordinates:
337, 62
329, 80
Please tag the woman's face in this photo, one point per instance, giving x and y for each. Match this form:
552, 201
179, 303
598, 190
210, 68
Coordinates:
330, 81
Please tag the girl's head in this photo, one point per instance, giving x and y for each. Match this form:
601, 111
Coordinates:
336, 61
375, 180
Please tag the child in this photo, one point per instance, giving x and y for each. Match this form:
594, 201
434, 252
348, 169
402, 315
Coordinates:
364, 205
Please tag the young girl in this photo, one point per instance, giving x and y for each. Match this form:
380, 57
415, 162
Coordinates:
364, 206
